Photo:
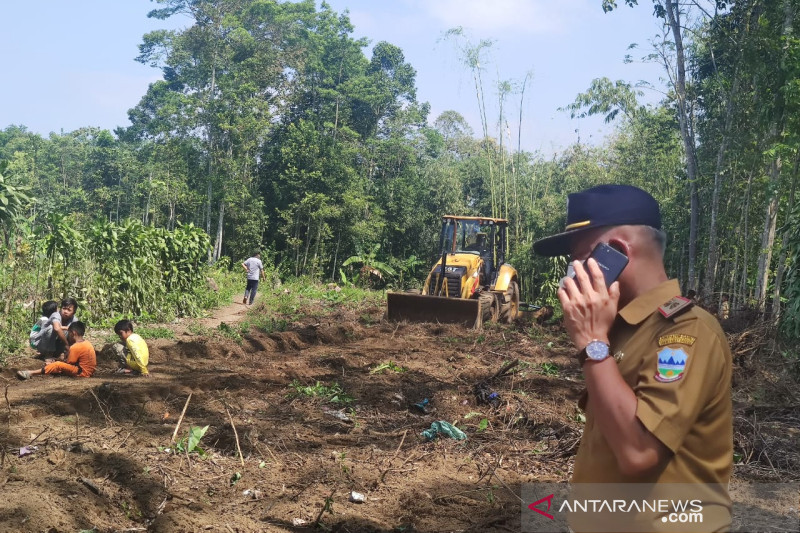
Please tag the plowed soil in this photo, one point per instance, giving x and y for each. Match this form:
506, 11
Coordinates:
280, 460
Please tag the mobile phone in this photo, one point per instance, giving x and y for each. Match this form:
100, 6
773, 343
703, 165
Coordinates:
610, 260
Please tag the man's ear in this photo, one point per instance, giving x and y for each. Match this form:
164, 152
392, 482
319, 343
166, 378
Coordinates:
621, 245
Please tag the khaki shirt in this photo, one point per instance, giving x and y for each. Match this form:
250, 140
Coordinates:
689, 412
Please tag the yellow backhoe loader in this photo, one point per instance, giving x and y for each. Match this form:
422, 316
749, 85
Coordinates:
470, 284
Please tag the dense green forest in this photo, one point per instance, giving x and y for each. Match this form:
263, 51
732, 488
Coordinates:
273, 127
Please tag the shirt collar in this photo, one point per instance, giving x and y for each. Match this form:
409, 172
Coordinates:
646, 304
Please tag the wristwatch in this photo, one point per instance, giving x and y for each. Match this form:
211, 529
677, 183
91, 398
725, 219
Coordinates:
594, 351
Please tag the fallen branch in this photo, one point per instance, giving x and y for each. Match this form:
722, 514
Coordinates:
178, 425
92, 486
490, 470
410, 458
235, 434
301, 491
383, 474
494, 474
119, 446
272, 454
39, 435
100, 405
504, 369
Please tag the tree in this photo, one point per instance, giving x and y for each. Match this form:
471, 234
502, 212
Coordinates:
14, 200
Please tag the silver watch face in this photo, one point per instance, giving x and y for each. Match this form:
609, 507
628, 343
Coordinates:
597, 350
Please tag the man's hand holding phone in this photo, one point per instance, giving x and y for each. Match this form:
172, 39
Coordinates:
590, 307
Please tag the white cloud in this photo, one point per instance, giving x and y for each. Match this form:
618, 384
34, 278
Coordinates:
523, 16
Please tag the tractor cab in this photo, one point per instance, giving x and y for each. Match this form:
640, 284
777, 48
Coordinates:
484, 237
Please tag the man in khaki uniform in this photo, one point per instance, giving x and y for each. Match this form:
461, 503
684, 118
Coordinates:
657, 368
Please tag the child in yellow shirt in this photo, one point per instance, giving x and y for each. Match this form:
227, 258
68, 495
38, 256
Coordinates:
135, 356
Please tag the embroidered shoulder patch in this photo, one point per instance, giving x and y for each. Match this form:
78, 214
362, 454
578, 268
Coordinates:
688, 340
675, 306
671, 364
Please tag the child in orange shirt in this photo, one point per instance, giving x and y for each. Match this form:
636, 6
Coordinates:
81, 362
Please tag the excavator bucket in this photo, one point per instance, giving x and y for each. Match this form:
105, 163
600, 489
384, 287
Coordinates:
425, 308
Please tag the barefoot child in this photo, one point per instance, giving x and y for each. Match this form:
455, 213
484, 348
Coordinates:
135, 356
81, 362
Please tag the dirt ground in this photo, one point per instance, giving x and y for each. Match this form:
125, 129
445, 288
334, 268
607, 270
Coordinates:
280, 460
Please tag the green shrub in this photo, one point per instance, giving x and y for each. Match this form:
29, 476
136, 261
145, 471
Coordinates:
158, 332
332, 393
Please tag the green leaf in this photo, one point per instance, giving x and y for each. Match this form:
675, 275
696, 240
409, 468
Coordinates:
195, 434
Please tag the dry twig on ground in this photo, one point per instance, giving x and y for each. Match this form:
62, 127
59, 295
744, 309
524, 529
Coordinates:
180, 420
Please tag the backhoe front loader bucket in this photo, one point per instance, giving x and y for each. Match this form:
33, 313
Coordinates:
425, 308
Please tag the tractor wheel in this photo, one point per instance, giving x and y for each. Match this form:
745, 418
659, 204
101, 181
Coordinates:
489, 308
510, 310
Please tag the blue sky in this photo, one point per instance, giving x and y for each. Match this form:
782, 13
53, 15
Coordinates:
70, 64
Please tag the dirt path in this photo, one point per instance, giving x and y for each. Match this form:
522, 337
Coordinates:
232, 313
229, 314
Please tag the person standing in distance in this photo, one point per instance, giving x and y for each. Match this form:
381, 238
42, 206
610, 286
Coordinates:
657, 368
255, 271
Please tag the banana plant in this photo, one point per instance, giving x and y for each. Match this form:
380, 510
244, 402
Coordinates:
371, 267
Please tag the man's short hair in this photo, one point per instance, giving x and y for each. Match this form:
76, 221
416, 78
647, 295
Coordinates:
67, 302
79, 328
659, 238
123, 325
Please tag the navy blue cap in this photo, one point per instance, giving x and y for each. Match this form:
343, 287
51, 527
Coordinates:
604, 205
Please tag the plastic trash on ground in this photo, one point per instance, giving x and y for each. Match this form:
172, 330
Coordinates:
422, 406
445, 428
27, 450
357, 497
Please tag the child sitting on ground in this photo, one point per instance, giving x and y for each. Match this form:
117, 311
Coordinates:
81, 362
41, 337
53, 343
133, 358
66, 316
